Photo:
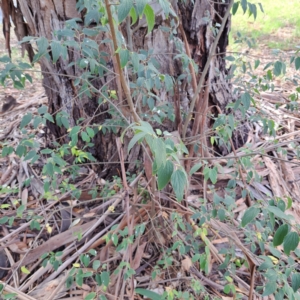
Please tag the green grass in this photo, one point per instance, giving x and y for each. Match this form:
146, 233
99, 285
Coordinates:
278, 27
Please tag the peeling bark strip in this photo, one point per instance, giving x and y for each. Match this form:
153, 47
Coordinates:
5, 7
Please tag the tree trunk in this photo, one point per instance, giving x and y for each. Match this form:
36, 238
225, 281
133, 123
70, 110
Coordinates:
198, 18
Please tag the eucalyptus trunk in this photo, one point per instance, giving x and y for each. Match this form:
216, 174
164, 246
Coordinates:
197, 21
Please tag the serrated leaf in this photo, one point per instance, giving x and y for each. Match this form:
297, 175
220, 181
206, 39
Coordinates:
280, 234
85, 137
178, 181
295, 281
290, 242
148, 294
90, 132
164, 174
123, 9
150, 17
249, 215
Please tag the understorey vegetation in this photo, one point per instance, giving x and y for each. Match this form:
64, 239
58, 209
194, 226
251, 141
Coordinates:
161, 165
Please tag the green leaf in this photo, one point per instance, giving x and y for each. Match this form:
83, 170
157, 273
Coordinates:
124, 57
24, 270
21, 150
244, 5
30, 155
281, 205
148, 294
229, 58
42, 110
295, 282
3, 220
195, 168
65, 122
150, 17
261, 7
297, 63
249, 215
256, 63
85, 137
178, 181
133, 15
56, 49
160, 152
105, 278
165, 5
42, 44
137, 137
270, 288
246, 99
164, 174
90, 296
86, 260
26, 120
280, 234
277, 68
235, 7
140, 5
90, 132
213, 174
7, 150
290, 242
278, 213
96, 264
124, 9
221, 214
79, 279
48, 117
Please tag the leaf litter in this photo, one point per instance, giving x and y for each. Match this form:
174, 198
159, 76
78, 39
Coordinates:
88, 231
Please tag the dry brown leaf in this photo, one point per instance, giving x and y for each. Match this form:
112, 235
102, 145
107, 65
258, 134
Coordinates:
274, 179
138, 256
186, 264
24, 197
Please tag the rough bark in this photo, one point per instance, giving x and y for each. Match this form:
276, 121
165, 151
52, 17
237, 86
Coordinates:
45, 17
